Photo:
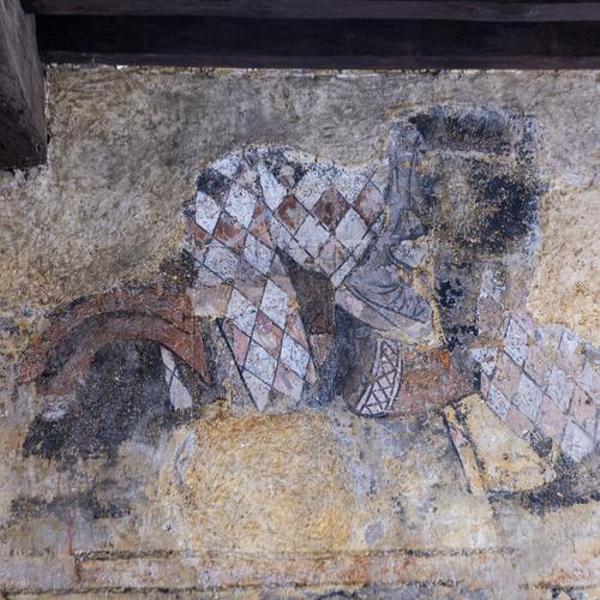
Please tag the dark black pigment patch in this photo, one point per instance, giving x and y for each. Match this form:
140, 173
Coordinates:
459, 335
508, 207
350, 360
540, 442
352, 357
449, 293
62, 352
276, 159
574, 484
424, 197
339, 595
458, 283
410, 591
481, 129
212, 183
63, 506
125, 396
179, 274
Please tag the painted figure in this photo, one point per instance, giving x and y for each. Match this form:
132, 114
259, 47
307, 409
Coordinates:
397, 287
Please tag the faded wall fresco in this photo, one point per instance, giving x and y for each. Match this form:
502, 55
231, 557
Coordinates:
333, 388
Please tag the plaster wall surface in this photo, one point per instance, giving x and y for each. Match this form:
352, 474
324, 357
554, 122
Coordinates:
479, 478
127, 144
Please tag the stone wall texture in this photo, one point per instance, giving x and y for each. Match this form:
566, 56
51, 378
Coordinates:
303, 334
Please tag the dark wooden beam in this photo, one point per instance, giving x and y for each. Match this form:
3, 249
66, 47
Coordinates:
453, 10
22, 122
207, 41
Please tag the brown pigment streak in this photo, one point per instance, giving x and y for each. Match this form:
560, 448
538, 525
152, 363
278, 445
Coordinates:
174, 308
188, 346
430, 380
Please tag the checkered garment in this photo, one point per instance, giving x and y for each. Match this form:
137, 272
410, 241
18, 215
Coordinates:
251, 207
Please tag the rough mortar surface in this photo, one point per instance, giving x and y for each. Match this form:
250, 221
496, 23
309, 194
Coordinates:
303, 334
